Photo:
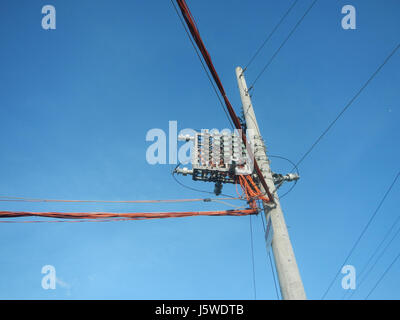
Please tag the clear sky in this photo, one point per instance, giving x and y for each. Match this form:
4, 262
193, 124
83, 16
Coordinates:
76, 104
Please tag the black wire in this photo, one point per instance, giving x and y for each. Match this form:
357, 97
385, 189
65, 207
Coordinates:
283, 43
202, 63
376, 261
252, 259
347, 105
294, 167
361, 235
383, 275
212, 83
373, 255
269, 36
290, 189
270, 262
274, 276
328, 128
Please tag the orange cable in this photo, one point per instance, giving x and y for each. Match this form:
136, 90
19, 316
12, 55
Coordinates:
125, 216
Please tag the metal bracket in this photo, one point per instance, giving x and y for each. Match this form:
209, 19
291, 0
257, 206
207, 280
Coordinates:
279, 179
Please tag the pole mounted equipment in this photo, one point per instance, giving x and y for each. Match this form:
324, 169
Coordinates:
289, 276
217, 157
191, 24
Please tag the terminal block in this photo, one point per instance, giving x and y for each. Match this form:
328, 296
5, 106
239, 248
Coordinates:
217, 157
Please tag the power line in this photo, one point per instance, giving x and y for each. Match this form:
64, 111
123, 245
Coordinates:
361, 235
125, 215
252, 259
282, 44
270, 262
294, 167
294, 184
19, 199
207, 59
269, 36
383, 275
273, 275
374, 253
348, 105
202, 63
376, 261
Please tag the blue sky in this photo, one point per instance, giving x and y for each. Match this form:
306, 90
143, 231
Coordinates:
76, 104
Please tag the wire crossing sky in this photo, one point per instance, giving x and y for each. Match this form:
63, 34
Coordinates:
79, 99
370, 221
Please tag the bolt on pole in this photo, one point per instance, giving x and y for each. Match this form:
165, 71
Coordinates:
290, 282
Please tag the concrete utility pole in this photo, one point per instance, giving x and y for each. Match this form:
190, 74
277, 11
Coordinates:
285, 261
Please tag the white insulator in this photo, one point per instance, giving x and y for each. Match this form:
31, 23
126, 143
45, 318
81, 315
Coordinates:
186, 137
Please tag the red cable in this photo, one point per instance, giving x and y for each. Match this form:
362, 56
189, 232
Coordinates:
125, 216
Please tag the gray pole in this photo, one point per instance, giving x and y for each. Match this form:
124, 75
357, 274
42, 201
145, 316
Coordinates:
285, 261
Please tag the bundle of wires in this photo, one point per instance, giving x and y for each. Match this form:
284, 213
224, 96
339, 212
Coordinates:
250, 192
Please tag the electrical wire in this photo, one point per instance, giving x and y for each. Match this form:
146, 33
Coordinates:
65, 221
294, 167
375, 263
269, 36
273, 275
294, 184
270, 262
125, 216
373, 255
281, 46
207, 58
348, 105
195, 189
361, 235
228, 204
19, 199
252, 259
201, 61
383, 275
249, 188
